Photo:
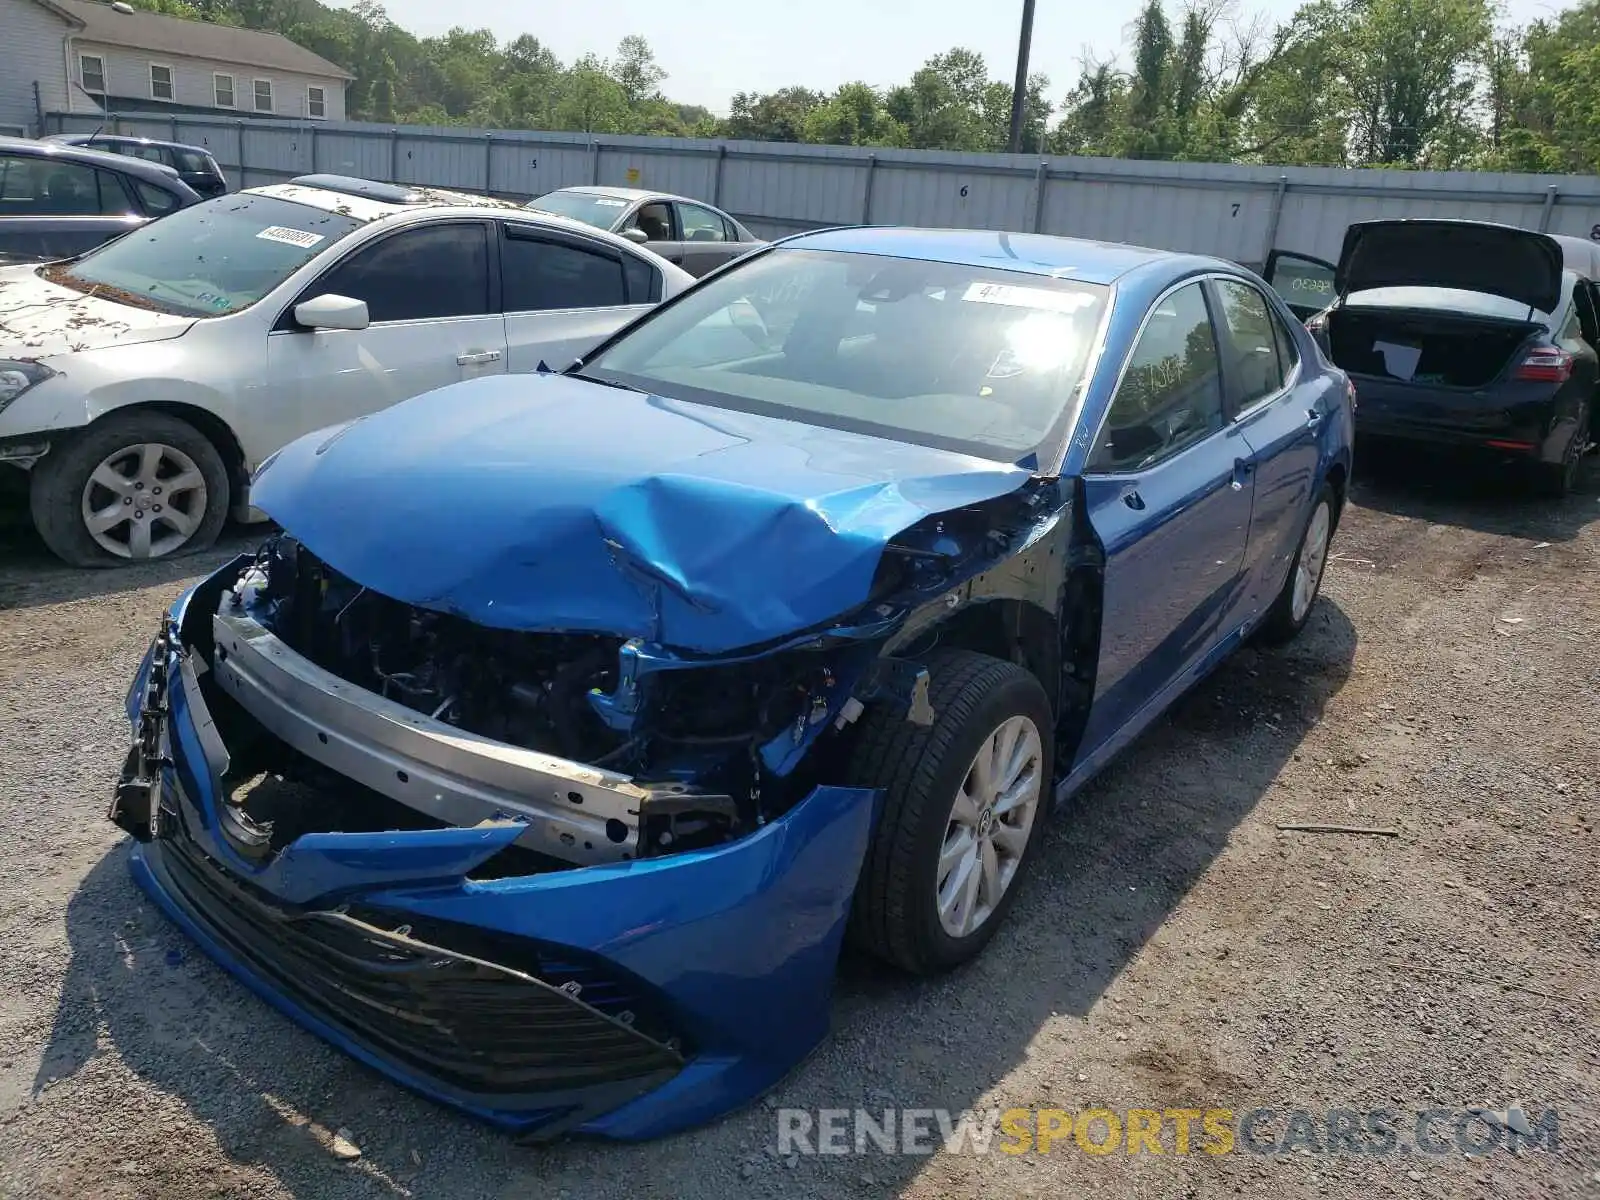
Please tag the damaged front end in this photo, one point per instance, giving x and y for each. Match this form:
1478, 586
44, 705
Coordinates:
564, 881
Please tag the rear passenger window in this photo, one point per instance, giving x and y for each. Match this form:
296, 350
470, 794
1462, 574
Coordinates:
1170, 396
422, 274
1251, 342
644, 281
539, 275
156, 202
50, 187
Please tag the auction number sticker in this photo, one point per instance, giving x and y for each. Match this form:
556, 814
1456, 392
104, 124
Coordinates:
1027, 297
290, 237
607, 202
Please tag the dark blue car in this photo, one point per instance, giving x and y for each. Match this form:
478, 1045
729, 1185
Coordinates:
548, 757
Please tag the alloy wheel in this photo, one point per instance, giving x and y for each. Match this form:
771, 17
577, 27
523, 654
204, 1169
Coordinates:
144, 500
1313, 557
989, 823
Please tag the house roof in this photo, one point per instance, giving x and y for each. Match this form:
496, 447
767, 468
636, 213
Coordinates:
142, 30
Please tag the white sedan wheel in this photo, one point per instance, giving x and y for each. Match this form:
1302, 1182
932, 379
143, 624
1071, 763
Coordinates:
144, 500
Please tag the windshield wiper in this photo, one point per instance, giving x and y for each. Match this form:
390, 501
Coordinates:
610, 383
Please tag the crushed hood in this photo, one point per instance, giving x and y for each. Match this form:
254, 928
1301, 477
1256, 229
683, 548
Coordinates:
39, 319
542, 502
1472, 256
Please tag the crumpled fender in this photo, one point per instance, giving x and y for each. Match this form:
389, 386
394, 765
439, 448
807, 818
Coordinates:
545, 502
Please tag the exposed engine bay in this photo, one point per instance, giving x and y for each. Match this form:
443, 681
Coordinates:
343, 709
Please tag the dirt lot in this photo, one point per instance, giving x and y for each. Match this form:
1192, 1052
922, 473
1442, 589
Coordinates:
1175, 948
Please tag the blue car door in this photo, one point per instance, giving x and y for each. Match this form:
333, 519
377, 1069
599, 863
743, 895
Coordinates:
1168, 493
1279, 407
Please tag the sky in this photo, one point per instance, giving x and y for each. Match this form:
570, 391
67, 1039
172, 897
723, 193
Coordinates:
711, 49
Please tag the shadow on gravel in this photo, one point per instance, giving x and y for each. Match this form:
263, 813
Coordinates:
1450, 490
31, 576
1116, 864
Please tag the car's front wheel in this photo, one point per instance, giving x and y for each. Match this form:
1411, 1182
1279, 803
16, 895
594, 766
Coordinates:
133, 486
964, 804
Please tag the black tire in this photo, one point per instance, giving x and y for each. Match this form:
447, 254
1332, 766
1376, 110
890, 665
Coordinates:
58, 482
1556, 481
1281, 625
895, 916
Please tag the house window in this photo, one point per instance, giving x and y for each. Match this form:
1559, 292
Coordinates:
222, 89
92, 73
160, 82
316, 102
263, 95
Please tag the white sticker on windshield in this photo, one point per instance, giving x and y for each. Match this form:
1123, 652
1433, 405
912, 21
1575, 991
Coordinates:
606, 202
1027, 297
290, 237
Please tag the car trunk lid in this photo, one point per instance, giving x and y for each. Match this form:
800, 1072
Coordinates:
1470, 256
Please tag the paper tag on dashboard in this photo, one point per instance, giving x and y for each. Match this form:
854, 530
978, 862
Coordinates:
290, 237
1026, 297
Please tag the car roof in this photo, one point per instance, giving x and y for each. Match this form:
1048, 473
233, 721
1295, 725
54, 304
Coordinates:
367, 200
367, 208
139, 168
618, 193
1029, 253
91, 139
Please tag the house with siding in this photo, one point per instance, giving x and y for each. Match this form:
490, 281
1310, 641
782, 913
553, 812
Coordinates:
82, 56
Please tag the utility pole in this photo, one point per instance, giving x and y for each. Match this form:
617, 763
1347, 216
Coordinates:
1019, 92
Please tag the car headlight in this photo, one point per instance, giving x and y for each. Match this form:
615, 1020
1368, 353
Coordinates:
18, 377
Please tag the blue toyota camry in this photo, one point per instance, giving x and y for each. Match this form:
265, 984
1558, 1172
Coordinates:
573, 722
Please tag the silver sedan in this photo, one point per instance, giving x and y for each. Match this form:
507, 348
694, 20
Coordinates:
693, 235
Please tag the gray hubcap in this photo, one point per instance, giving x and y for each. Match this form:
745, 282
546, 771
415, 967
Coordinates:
144, 501
987, 832
1313, 557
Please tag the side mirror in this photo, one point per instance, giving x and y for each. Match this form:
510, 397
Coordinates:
636, 235
332, 312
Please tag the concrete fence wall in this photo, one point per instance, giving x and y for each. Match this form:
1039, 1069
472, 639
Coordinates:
1234, 212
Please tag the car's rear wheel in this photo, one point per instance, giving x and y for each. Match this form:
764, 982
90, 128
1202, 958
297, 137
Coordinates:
1292, 608
965, 802
1556, 480
132, 487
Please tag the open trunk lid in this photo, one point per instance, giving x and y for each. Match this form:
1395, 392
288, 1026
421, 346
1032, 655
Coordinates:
1471, 256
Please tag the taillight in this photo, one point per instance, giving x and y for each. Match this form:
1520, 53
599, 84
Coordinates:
1350, 391
1545, 364
1318, 323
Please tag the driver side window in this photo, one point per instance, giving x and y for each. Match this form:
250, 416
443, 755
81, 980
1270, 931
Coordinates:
654, 220
419, 275
1170, 396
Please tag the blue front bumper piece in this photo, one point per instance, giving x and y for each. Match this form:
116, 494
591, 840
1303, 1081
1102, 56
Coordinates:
624, 1001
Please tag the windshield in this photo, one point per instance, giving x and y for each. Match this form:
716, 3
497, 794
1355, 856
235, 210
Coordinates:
978, 360
209, 260
600, 211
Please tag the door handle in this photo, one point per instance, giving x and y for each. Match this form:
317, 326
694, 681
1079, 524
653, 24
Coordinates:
1241, 472
478, 356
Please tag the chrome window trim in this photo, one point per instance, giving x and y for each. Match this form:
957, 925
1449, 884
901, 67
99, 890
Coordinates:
1127, 359
1292, 379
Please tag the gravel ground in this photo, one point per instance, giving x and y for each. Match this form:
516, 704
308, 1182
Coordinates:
1174, 948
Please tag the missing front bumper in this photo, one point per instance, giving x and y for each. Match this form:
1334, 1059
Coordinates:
573, 812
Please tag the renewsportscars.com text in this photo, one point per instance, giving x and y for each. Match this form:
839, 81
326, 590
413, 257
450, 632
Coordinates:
1376, 1132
